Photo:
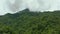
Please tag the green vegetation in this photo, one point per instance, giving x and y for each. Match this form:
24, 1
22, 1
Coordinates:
26, 22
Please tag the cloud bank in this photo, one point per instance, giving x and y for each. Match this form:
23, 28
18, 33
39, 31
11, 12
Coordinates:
13, 6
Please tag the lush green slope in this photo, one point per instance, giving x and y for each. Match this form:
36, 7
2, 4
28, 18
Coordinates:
26, 22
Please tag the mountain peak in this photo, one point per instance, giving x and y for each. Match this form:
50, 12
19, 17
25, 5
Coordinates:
26, 9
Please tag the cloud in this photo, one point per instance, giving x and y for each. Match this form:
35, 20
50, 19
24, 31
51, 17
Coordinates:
13, 6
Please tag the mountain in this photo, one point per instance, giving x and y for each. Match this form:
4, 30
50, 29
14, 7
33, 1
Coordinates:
27, 22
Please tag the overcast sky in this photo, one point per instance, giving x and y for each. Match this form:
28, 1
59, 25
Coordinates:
12, 6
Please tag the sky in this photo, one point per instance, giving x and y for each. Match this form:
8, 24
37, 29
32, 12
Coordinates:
13, 6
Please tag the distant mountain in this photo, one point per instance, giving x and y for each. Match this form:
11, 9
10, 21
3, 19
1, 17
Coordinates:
26, 22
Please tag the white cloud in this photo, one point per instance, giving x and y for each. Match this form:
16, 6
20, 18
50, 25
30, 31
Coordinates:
11, 6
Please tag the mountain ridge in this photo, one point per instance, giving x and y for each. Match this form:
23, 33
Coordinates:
26, 22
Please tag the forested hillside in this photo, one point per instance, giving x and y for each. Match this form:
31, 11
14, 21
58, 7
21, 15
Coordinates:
26, 22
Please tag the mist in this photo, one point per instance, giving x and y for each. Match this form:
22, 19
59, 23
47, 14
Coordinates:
13, 6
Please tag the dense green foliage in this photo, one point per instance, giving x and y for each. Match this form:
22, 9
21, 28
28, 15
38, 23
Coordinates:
26, 22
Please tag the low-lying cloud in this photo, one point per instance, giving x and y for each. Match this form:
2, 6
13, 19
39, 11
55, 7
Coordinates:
13, 6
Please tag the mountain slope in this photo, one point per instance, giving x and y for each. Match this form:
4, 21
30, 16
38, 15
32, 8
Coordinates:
26, 22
